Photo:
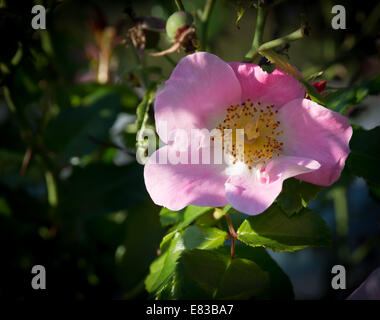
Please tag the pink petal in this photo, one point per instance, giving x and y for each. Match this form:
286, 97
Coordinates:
200, 87
177, 185
275, 88
315, 132
286, 167
254, 194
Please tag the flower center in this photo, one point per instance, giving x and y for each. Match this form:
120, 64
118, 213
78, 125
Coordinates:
262, 133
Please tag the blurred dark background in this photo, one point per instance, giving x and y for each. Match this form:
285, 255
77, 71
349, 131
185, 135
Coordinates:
72, 196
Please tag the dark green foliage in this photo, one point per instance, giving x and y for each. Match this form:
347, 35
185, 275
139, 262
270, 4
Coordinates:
342, 99
296, 194
363, 160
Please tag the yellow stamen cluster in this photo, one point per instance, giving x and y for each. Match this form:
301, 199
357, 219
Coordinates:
261, 133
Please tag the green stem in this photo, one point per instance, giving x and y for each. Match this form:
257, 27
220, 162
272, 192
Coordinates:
21, 119
341, 220
51, 189
179, 5
259, 33
46, 43
205, 18
298, 34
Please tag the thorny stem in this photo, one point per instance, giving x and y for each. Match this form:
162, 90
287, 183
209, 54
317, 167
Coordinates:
298, 34
205, 21
259, 33
233, 235
179, 5
257, 45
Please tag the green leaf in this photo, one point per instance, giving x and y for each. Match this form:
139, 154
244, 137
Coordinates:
296, 194
280, 286
342, 99
197, 237
169, 217
163, 267
308, 192
202, 274
184, 217
282, 64
166, 240
364, 160
173, 245
203, 238
273, 229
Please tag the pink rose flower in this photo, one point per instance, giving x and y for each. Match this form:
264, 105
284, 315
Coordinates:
286, 136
